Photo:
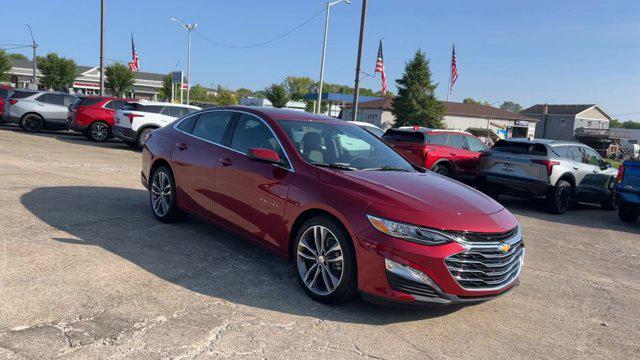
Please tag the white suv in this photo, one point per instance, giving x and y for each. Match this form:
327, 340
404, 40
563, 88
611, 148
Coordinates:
138, 118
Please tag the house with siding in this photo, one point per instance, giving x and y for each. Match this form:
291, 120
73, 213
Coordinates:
559, 122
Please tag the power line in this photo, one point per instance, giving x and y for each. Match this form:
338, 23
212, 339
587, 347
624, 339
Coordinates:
15, 47
263, 42
636, 113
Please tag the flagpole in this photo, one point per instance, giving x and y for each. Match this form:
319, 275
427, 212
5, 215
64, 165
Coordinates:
450, 70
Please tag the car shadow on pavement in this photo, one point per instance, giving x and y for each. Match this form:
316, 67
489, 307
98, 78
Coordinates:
195, 255
579, 214
71, 137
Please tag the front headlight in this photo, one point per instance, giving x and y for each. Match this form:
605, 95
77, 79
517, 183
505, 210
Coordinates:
410, 232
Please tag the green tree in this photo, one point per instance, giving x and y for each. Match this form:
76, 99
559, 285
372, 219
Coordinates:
16, 56
511, 106
199, 93
164, 93
225, 96
58, 73
277, 94
298, 86
5, 66
243, 93
118, 79
631, 125
416, 103
471, 101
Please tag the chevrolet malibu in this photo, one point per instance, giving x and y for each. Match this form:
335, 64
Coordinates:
351, 213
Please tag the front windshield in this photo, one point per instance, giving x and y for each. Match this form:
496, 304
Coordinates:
342, 146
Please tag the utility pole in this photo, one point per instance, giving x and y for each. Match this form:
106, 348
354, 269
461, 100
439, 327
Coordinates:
101, 47
34, 79
189, 28
356, 93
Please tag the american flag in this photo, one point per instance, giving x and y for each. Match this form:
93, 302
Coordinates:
380, 69
133, 64
454, 69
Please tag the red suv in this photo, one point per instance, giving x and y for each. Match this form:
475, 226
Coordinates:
351, 213
447, 152
93, 116
4, 92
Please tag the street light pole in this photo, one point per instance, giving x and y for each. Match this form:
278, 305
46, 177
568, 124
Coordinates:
356, 92
34, 80
189, 28
101, 47
324, 49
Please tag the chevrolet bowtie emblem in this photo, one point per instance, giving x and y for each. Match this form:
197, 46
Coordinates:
505, 247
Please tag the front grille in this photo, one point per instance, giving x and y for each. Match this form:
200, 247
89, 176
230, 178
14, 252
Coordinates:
401, 284
488, 237
486, 267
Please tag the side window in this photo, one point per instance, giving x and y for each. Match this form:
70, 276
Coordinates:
211, 125
56, 99
115, 104
562, 151
253, 133
43, 98
591, 157
439, 139
475, 144
185, 111
187, 124
458, 141
68, 100
174, 111
156, 109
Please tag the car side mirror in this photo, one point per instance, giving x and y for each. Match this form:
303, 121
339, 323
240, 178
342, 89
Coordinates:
264, 155
606, 165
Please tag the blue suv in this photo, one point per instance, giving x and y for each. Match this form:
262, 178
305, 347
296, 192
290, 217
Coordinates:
628, 191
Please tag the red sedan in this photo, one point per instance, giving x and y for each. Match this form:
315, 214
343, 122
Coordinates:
93, 116
351, 213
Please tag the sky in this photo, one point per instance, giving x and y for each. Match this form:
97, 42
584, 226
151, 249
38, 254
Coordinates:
530, 52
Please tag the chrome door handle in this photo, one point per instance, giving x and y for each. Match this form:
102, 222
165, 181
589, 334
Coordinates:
225, 162
575, 168
182, 146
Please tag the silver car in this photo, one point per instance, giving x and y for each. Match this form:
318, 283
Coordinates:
38, 110
558, 171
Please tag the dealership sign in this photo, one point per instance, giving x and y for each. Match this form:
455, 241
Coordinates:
82, 84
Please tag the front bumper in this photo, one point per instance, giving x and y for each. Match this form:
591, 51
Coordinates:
514, 186
124, 133
378, 284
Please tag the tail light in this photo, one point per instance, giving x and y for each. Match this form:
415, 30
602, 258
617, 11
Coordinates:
131, 116
80, 108
12, 102
620, 175
548, 163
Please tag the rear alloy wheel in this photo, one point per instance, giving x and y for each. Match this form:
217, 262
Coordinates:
560, 198
442, 170
162, 196
142, 137
325, 261
628, 213
99, 132
32, 123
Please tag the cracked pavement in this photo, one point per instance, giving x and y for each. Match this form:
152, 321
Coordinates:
86, 272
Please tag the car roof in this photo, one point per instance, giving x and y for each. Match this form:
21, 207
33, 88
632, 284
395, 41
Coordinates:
545, 141
283, 114
428, 130
362, 123
160, 103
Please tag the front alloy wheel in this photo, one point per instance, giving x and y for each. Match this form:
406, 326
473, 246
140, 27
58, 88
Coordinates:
162, 196
99, 132
325, 261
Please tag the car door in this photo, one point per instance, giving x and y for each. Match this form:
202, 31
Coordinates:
251, 195
474, 147
194, 155
463, 159
595, 178
109, 109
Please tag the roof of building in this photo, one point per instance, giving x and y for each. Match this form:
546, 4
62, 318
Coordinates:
454, 108
559, 109
28, 64
338, 97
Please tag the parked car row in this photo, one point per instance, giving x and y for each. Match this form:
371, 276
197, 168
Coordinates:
94, 116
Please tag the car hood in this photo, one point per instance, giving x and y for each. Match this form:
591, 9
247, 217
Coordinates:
423, 192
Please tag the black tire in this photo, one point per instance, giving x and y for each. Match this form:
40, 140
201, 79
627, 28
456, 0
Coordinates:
347, 287
559, 198
32, 123
142, 136
167, 202
442, 170
99, 131
628, 213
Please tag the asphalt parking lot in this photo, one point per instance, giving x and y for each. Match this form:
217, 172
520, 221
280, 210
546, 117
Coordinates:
87, 272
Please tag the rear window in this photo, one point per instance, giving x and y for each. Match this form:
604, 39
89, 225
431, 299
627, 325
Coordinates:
21, 94
524, 148
4, 93
404, 136
438, 139
86, 101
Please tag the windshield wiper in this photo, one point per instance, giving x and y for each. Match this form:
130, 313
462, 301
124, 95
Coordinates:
389, 168
341, 166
